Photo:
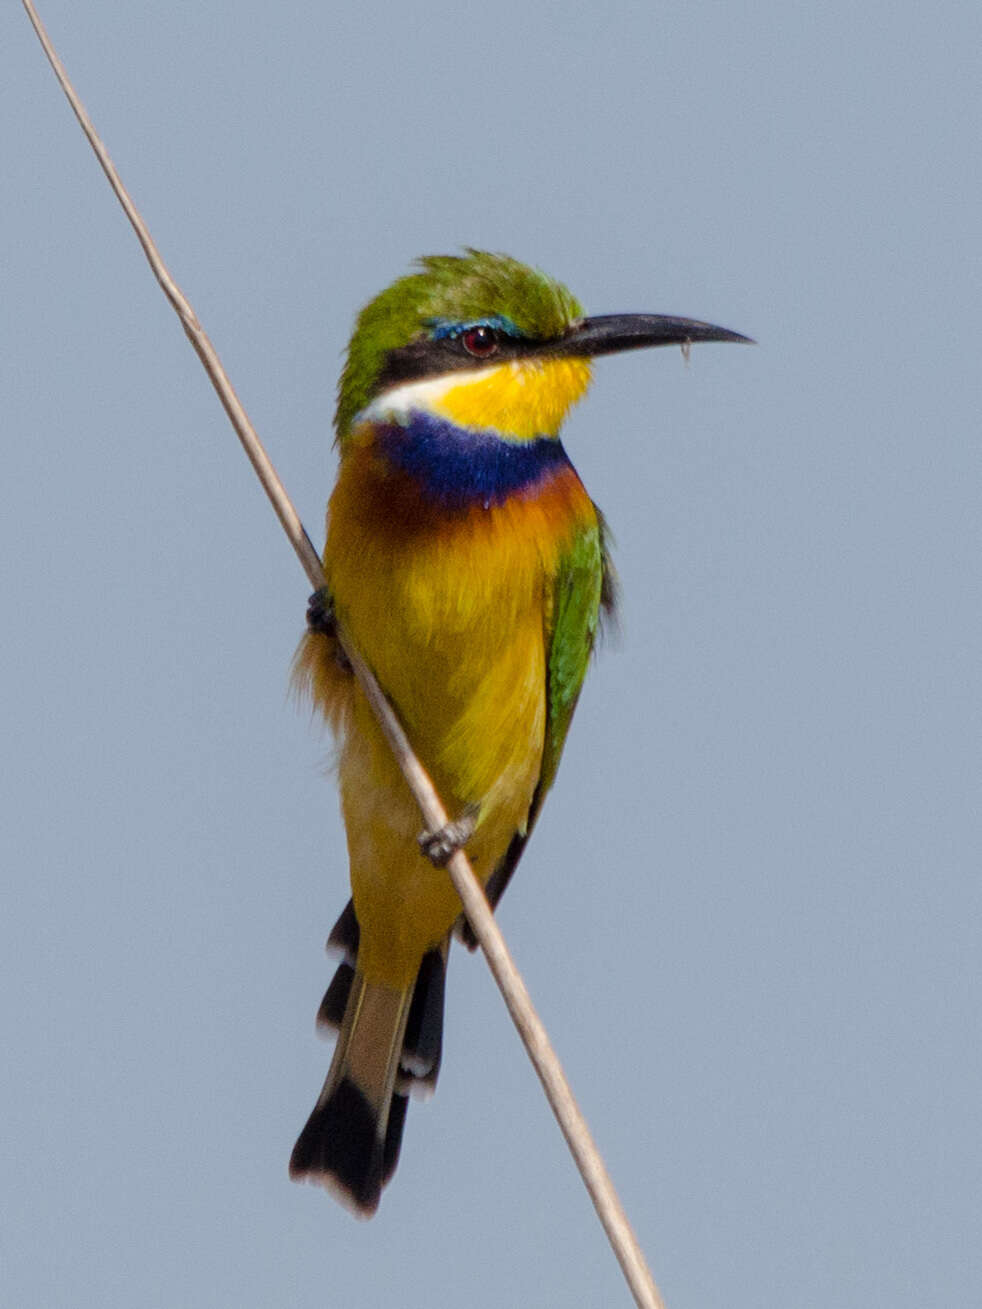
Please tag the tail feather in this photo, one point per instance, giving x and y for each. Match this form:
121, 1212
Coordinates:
345, 934
331, 1012
422, 1046
340, 1144
419, 1063
346, 1143
341, 1148
393, 1135
389, 1047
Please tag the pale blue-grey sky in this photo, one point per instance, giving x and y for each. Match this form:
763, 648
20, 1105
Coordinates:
751, 912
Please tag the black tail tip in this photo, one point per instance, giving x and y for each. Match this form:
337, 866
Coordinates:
340, 1148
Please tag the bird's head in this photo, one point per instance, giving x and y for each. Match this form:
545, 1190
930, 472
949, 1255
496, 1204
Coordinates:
487, 342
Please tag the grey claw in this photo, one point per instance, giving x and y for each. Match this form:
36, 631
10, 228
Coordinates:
440, 845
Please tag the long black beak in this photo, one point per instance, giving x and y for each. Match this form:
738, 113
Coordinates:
610, 333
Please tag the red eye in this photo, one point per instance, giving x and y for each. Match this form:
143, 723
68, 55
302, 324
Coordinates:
481, 342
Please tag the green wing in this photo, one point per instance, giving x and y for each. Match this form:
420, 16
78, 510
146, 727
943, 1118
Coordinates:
583, 586
572, 629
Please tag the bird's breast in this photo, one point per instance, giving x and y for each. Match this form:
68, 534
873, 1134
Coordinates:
440, 561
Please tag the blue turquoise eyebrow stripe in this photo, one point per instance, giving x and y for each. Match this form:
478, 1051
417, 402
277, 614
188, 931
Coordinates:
457, 468
444, 327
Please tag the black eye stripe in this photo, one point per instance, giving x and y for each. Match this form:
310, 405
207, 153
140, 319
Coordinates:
428, 357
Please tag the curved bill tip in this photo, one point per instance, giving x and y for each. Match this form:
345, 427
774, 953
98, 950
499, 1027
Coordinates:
611, 333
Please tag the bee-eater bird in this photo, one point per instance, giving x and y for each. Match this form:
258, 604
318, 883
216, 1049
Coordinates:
468, 565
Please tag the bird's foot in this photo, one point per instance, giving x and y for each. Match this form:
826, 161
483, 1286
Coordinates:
321, 621
320, 613
441, 845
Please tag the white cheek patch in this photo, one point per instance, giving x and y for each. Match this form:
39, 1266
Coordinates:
425, 394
